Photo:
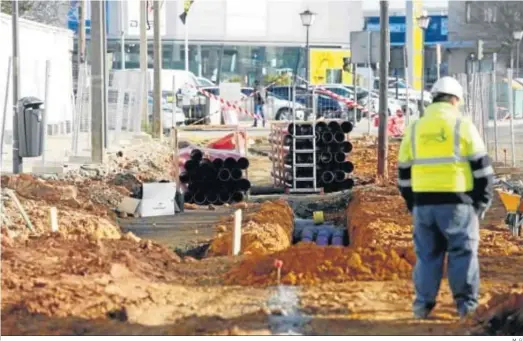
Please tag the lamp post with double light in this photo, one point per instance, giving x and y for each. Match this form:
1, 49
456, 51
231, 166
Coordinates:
307, 20
423, 23
517, 35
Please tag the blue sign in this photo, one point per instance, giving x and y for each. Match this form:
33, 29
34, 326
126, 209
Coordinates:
72, 17
436, 33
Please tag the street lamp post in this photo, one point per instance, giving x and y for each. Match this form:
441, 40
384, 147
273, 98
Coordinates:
517, 35
307, 20
423, 23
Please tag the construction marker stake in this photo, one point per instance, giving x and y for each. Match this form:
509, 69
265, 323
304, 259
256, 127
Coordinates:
53, 219
278, 264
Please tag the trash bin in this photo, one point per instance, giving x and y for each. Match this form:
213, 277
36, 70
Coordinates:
30, 127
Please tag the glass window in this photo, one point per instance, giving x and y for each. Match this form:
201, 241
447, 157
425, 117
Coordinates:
340, 91
468, 11
489, 14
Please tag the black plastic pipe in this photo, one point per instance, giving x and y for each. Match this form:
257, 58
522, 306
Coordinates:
339, 137
200, 198
347, 126
217, 163
345, 147
224, 197
212, 197
325, 158
334, 126
347, 184
196, 155
229, 163
224, 174
184, 177
264, 190
190, 165
243, 163
327, 137
237, 197
243, 185
339, 176
327, 177
188, 197
236, 174
321, 127
339, 157
347, 167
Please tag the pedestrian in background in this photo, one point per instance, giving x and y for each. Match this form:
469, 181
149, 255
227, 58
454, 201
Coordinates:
259, 101
445, 177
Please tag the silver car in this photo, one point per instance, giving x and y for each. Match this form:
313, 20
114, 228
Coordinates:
275, 107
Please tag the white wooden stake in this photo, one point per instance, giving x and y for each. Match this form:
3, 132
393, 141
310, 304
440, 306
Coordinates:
237, 233
53, 215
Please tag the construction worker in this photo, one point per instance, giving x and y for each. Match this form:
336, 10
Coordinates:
259, 101
445, 177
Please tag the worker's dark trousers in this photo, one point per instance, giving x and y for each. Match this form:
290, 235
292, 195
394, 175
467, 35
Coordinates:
453, 229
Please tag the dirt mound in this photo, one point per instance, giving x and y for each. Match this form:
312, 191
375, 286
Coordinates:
70, 222
377, 215
364, 156
381, 247
502, 315
308, 264
267, 230
58, 276
89, 195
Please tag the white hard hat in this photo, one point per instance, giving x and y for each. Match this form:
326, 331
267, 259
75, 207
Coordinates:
447, 85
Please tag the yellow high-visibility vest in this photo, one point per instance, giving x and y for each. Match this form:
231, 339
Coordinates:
438, 148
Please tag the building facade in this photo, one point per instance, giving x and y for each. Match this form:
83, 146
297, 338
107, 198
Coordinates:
491, 21
437, 33
234, 38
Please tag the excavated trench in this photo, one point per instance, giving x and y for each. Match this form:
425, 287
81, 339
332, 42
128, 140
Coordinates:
272, 224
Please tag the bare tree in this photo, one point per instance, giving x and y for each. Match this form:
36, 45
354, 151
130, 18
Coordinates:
46, 12
23, 6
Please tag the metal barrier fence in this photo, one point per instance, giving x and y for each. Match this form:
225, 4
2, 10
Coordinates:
50, 81
494, 101
124, 105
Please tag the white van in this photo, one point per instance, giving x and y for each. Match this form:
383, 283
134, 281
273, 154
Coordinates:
181, 79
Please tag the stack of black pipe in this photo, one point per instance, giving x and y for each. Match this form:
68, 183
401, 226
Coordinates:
216, 181
332, 167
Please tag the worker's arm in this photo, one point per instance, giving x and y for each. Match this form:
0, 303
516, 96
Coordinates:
404, 168
481, 167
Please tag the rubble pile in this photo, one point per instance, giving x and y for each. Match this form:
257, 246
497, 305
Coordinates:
85, 198
267, 230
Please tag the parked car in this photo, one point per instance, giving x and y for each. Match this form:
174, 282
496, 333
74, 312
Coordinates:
394, 105
180, 77
275, 108
325, 106
168, 120
202, 81
278, 108
402, 90
347, 91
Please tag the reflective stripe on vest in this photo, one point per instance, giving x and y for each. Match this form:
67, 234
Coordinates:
438, 160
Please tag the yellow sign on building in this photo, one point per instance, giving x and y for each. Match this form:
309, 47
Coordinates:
414, 41
326, 66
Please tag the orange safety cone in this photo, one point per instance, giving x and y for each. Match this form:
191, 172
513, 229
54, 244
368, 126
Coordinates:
228, 142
